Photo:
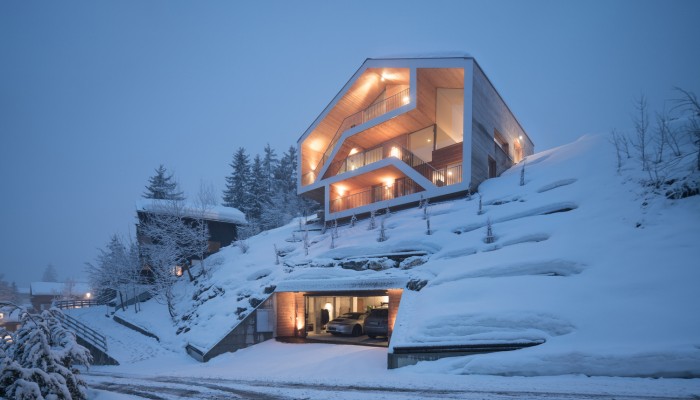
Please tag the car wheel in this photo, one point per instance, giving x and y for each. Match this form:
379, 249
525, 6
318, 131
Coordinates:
372, 336
357, 330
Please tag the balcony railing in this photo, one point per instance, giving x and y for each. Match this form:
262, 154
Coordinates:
400, 187
373, 111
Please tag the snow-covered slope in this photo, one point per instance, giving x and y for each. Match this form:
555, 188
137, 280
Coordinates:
584, 259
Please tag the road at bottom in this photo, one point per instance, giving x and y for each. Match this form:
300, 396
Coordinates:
167, 387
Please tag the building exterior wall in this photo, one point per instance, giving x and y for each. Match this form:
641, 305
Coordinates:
490, 114
394, 302
290, 309
484, 113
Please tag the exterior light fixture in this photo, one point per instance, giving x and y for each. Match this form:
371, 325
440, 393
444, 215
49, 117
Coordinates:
88, 295
389, 183
449, 173
394, 152
520, 137
406, 99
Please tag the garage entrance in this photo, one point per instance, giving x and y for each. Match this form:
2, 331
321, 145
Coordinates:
307, 315
322, 309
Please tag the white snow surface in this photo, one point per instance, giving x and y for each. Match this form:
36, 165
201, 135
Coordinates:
211, 213
584, 259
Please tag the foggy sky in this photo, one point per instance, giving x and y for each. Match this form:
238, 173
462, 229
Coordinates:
95, 95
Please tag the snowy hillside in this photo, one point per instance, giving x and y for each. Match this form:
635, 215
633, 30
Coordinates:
583, 260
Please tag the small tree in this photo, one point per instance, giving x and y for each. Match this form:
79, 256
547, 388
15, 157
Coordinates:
522, 175
382, 231
481, 210
428, 231
353, 220
306, 242
162, 186
426, 204
641, 127
490, 238
372, 221
334, 230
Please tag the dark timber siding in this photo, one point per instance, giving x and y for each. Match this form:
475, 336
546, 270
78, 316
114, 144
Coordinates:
490, 114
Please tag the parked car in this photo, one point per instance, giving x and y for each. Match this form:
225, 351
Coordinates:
377, 322
347, 324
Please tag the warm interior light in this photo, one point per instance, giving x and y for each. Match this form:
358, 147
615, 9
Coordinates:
2, 315
394, 152
430, 140
354, 150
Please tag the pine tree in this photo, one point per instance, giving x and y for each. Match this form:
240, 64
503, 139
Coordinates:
236, 193
39, 361
50, 274
259, 195
162, 186
269, 165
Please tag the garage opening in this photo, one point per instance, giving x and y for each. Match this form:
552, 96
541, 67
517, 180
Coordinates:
343, 318
349, 317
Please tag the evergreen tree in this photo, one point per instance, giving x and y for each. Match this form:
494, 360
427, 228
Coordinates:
269, 165
162, 186
237, 184
38, 362
50, 274
259, 194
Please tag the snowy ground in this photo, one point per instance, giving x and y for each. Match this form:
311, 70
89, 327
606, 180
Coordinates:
319, 371
584, 259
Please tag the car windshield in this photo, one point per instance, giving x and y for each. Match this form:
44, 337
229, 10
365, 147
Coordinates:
352, 315
380, 312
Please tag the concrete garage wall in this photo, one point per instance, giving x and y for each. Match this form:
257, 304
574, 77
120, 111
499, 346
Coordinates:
243, 335
404, 356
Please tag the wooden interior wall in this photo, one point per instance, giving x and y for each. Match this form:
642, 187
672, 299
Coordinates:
285, 314
445, 156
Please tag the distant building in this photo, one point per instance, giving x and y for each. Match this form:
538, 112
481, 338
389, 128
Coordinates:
402, 129
223, 222
43, 294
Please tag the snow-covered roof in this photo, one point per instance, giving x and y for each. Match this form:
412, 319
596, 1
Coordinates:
211, 213
334, 285
56, 288
430, 54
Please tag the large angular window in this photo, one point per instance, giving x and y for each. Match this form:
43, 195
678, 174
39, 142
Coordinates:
449, 117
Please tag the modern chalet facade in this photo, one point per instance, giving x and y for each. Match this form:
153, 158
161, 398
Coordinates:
402, 129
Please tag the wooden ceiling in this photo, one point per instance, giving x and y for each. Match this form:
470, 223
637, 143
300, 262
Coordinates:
367, 180
429, 79
363, 92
